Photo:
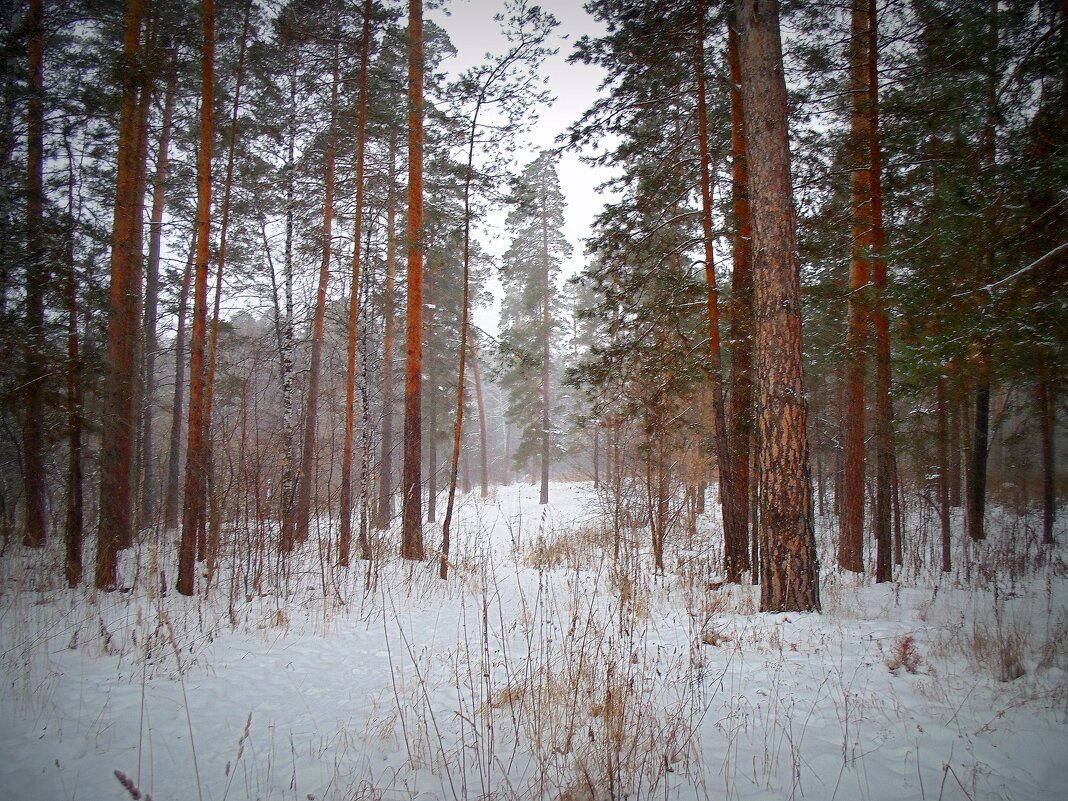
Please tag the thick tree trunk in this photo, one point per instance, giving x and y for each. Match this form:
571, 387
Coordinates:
193, 507
740, 308
789, 570
117, 444
37, 280
412, 524
345, 535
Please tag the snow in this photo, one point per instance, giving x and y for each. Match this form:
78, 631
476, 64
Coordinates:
543, 668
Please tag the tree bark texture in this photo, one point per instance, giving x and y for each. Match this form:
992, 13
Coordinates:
117, 435
412, 525
193, 507
740, 310
345, 534
885, 471
789, 569
851, 540
728, 502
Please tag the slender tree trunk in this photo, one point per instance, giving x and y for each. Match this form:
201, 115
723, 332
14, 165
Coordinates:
956, 408
596, 455
734, 538
147, 508
943, 477
303, 506
287, 344
135, 300
74, 531
37, 280
172, 496
975, 510
431, 366
465, 307
1047, 407
384, 501
884, 407
116, 448
214, 522
545, 331
345, 536
193, 507
507, 479
483, 445
412, 524
740, 307
789, 572
851, 540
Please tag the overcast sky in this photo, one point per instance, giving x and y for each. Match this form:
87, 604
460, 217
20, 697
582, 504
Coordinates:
474, 32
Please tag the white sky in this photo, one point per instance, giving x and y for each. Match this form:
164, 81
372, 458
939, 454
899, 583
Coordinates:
474, 33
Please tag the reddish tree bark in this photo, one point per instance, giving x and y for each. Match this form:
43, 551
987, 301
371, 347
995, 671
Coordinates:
193, 507
412, 524
727, 499
207, 541
117, 446
851, 541
740, 309
789, 570
884, 408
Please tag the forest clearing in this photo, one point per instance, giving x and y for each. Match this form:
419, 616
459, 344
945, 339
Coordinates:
546, 669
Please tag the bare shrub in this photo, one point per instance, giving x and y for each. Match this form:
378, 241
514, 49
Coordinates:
904, 655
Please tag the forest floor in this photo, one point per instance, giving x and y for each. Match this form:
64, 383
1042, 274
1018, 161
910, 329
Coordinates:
549, 665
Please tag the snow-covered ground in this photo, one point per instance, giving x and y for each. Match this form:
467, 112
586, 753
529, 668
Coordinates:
547, 666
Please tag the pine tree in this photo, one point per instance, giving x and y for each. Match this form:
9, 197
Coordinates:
529, 308
412, 485
789, 579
